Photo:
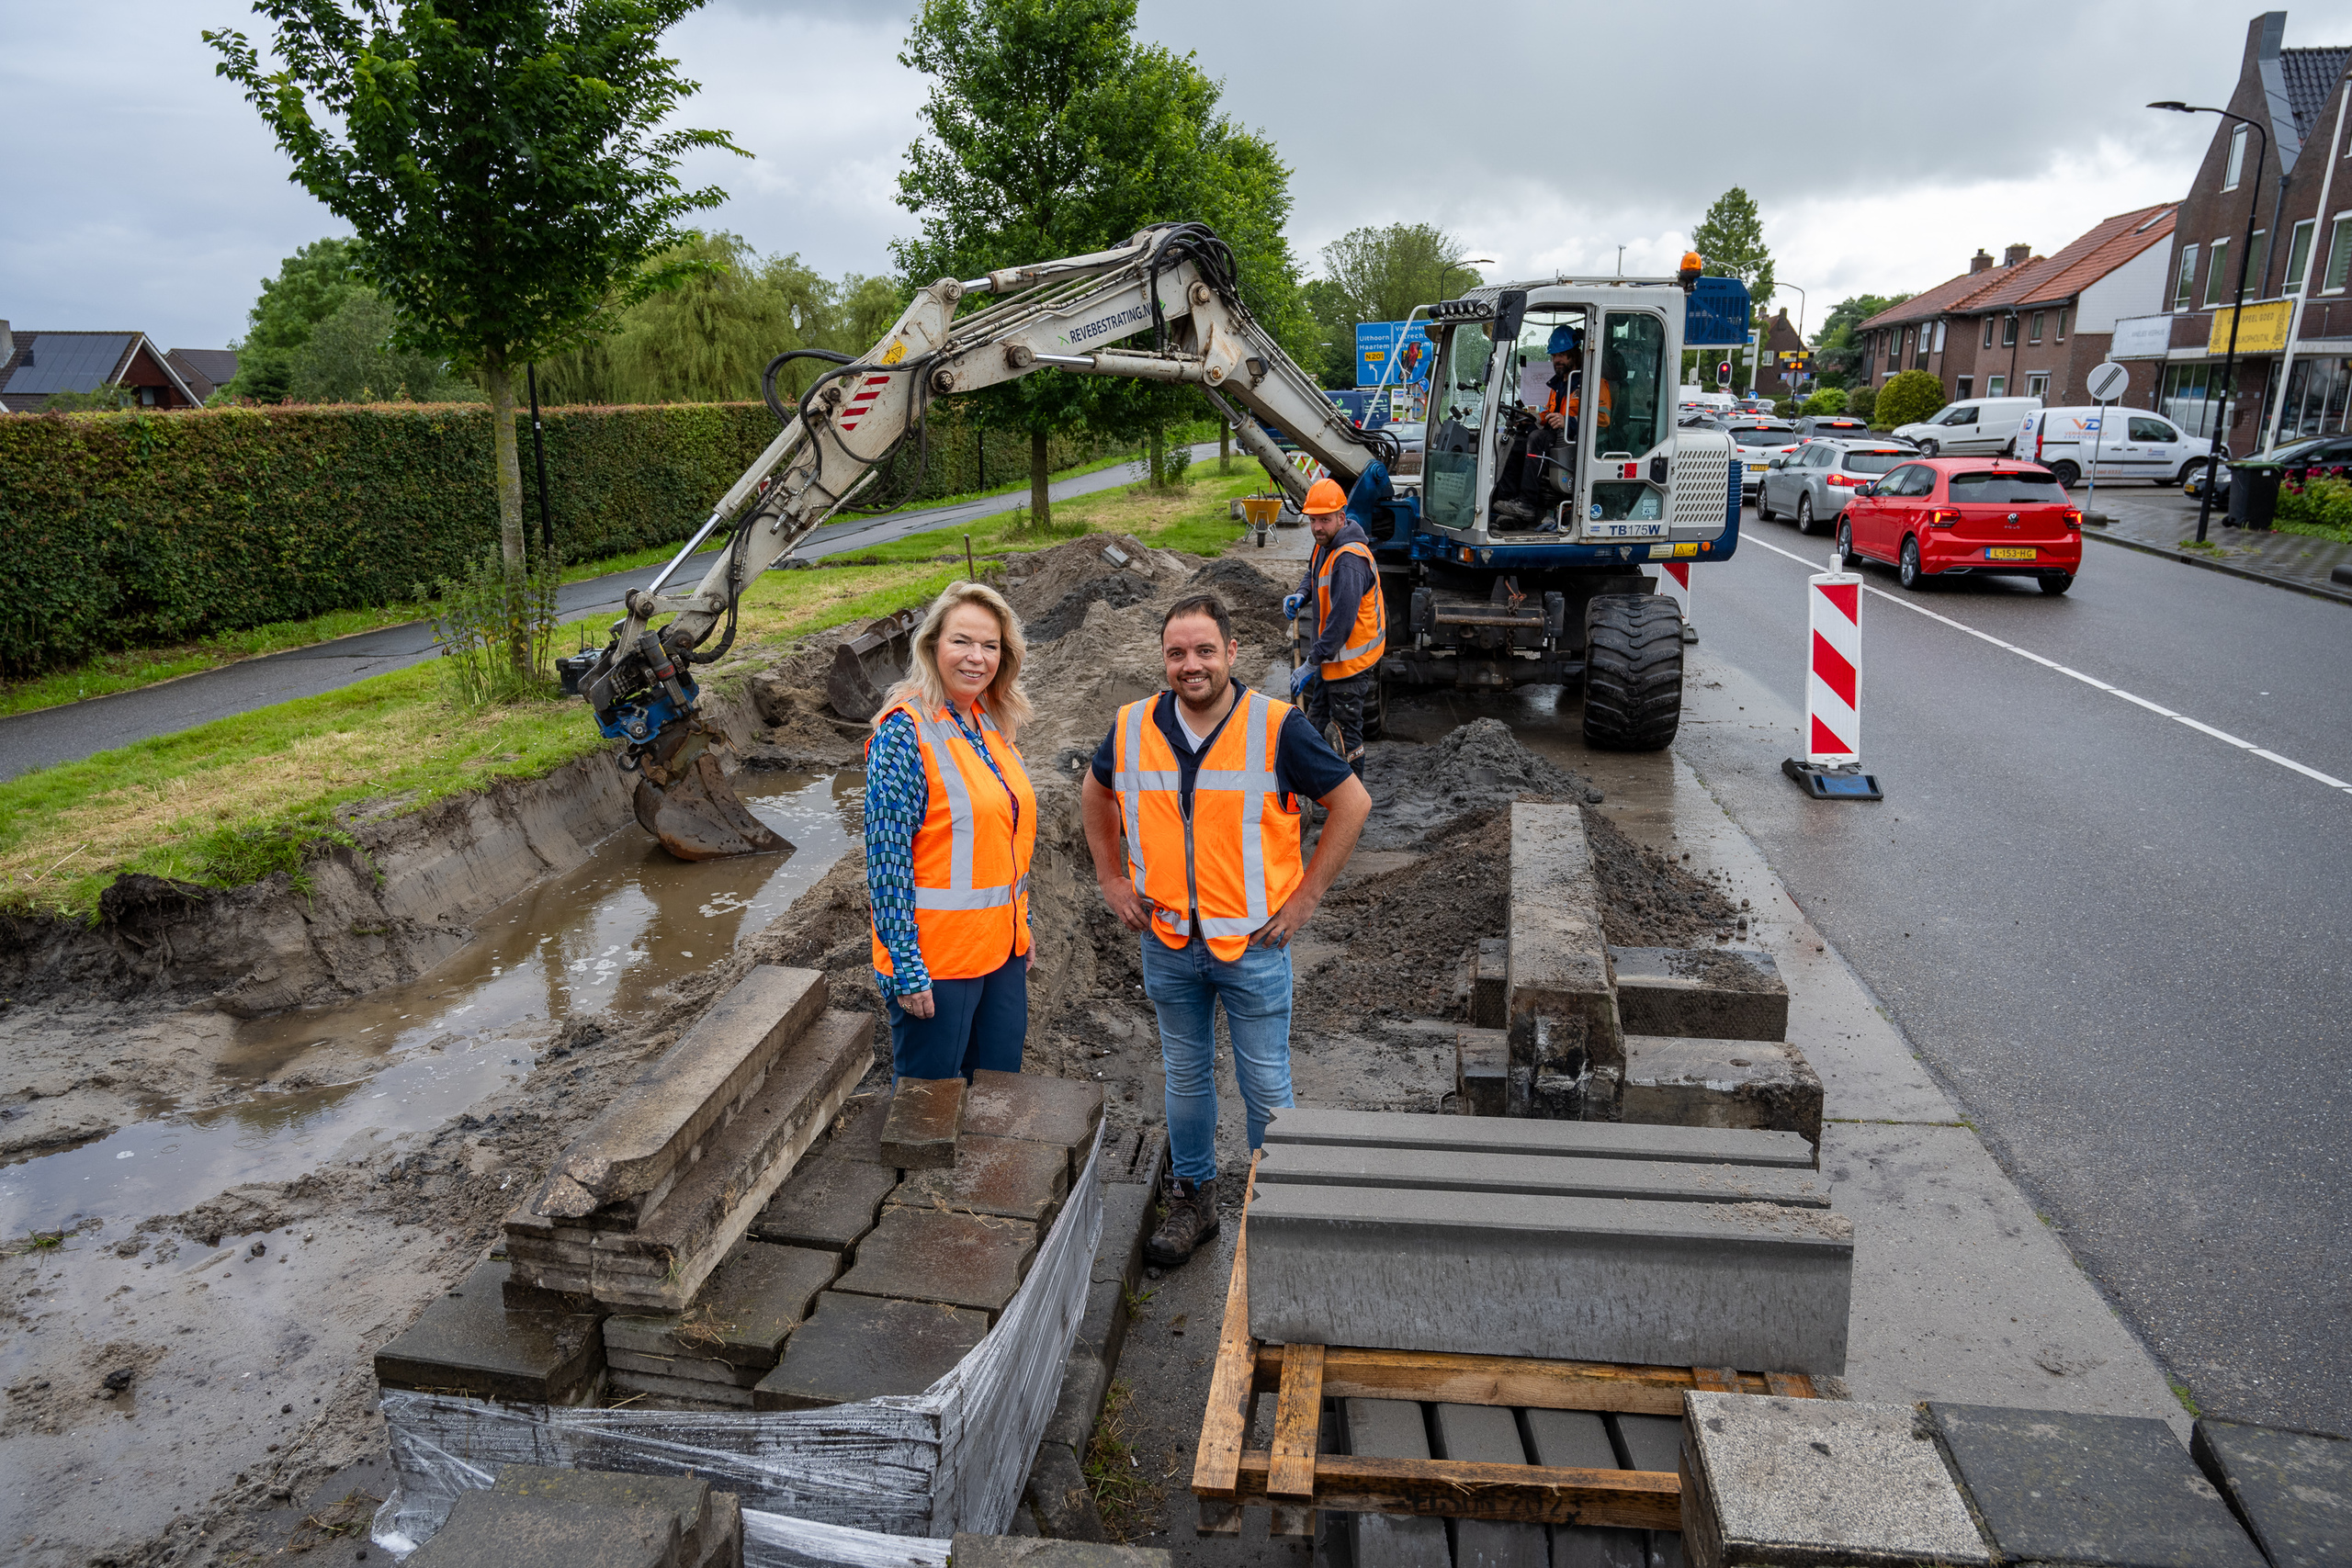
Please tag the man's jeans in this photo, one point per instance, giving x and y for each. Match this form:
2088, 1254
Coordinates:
1185, 985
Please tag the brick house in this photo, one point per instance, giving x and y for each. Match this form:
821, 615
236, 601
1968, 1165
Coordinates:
2033, 326
1772, 375
34, 364
2294, 367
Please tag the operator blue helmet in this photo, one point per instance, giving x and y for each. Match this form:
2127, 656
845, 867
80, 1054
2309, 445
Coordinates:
1565, 340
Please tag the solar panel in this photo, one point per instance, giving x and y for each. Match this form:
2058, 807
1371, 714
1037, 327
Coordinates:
68, 364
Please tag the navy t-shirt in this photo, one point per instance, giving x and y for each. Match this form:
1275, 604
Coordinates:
1305, 765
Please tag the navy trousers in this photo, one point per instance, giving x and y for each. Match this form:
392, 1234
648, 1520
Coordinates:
972, 1024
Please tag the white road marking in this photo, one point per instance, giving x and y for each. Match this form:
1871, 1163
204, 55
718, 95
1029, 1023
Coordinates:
2091, 681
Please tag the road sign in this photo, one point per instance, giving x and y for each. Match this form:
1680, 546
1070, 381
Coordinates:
2107, 382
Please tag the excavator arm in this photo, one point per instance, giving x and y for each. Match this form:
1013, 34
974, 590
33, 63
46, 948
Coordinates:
1174, 283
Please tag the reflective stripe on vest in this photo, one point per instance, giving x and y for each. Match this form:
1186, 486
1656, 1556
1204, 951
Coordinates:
1370, 634
959, 935
1161, 834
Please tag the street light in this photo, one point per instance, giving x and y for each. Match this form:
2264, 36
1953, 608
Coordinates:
2237, 307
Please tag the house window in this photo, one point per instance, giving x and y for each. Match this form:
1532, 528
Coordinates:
2339, 253
2257, 262
2216, 268
2009, 330
1995, 386
1964, 388
1988, 332
2237, 158
1939, 334
2317, 392
2061, 323
2185, 290
2037, 385
2033, 332
2299, 257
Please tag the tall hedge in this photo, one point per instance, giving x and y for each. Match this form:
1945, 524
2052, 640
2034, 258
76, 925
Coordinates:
141, 529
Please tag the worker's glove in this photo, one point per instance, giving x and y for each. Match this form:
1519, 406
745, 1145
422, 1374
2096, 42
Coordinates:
1302, 677
1292, 604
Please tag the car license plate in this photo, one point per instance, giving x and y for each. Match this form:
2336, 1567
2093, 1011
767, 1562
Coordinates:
1758, 468
1625, 530
2000, 552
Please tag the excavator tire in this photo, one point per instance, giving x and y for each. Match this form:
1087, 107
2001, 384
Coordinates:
1632, 673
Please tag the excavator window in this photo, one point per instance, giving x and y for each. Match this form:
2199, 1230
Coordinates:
1458, 406
1632, 364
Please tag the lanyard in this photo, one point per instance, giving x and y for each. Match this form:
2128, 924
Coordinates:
979, 743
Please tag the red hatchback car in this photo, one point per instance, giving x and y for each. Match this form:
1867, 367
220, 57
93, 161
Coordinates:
1967, 517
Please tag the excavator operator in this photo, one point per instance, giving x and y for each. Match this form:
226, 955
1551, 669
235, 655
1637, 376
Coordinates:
1525, 490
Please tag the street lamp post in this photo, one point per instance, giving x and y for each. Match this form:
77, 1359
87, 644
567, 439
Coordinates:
2237, 305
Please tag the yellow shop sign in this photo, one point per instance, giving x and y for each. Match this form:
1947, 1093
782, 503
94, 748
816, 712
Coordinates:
2262, 329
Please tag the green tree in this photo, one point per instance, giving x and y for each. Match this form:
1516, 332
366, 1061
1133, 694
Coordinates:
1380, 274
1730, 241
309, 285
1908, 399
1049, 131
503, 162
349, 358
1836, 355
1861, 401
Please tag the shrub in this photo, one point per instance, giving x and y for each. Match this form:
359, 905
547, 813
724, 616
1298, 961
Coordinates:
1908, 398
1828, 401
1861, 401
2321, 503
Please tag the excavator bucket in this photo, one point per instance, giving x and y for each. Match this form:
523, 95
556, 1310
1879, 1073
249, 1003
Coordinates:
685, 801
867, 665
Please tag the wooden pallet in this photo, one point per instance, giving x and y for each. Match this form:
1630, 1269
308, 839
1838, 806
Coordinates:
1294, 1480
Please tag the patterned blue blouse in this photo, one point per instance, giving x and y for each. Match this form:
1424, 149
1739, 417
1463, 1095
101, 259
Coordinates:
897, 798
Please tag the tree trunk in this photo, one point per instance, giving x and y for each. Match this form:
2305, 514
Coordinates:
1041, 502
1223, 448
500, 383
1158, 459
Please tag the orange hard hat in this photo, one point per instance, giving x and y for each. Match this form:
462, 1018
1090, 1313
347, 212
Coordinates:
1323, 498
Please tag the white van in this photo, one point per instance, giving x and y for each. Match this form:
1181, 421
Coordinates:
1974, 425
1694, 398
2128, 443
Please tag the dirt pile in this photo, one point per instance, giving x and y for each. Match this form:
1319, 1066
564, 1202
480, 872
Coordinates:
1649, 899
1420, 790
1406, 930
1118, 590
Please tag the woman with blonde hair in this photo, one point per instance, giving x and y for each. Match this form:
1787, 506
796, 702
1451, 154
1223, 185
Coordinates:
950, 824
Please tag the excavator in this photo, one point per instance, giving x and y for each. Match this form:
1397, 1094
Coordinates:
1516, 556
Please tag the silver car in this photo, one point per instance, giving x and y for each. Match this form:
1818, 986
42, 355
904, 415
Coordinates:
1812, 484
1759, 441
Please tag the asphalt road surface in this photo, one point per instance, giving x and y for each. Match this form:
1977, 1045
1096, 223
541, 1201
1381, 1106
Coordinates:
67, 734
2106, 899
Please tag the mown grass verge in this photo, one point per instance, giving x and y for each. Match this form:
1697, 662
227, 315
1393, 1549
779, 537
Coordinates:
230, 802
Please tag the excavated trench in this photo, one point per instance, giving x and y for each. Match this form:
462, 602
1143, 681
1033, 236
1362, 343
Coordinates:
235, 1210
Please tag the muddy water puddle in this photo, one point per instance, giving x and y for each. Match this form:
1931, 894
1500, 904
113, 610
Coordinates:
308, 1087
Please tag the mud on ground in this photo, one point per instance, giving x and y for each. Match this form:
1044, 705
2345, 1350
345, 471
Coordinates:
182, 1386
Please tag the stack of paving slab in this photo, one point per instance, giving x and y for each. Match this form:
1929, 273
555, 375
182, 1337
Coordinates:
1770, 1483
533, 1517
1562, 1240
1567, 1027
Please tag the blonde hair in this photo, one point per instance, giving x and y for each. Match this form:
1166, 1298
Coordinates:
1006, 702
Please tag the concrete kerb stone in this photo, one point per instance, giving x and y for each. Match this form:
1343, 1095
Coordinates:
2292, 1490
1391, 1429
1487, 1434
1700, 994
1589, 1140
1747, 1084
1578, 1440
1558, 965
918, 1128
1447, 1170
1772, 1483
1752, 1285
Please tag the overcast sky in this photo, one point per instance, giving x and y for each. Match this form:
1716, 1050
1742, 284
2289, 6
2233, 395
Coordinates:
142, 192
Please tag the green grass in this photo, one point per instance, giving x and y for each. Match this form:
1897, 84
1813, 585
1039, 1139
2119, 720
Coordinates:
2335, 534
1194, 517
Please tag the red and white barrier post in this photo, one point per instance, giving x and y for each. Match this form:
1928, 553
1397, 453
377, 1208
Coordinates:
1832, 769
1674, 582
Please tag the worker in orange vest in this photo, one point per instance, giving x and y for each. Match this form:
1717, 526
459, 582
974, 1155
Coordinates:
1350, 626
950, 824
1193, 812
1526, 492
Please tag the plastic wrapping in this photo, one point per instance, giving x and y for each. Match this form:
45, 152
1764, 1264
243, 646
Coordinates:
881, 1484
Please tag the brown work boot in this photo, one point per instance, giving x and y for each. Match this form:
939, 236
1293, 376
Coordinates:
1188, 1218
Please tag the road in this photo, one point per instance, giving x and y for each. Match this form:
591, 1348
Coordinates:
50, 735
2115, 929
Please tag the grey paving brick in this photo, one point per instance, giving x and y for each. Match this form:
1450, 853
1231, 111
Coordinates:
1578, 1440
1481, 1072
1034, 1551
2291, 1490
757, 1297
828, 1202
1487, 1434
694, 1392
692, 1368
1012, 1177
966, 1261
1449, 1170
1749, 1084
689, 1500
470, 1341
856, 1348
2052, 1486
1034, 1106
485, 1530
857, 1130
1749, 1285
1701, 993
1391, 1429
1773, 1483
918, 1128
1591, 1140
724, 1547
1646, 1442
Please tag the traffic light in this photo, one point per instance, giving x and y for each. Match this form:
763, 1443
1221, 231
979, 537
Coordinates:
1722, 373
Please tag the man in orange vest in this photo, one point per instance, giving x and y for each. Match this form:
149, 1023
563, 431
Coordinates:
1193, 812
1343, 585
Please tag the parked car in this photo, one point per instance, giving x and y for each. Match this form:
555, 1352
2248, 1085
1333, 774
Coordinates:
2128, 445
1812, 485
2328, 454
1979, 424
1758, 441
1967, 517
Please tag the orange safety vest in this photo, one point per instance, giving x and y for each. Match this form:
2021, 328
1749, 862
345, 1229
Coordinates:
1369, 635
1235, 861
971, 854
1552, 403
